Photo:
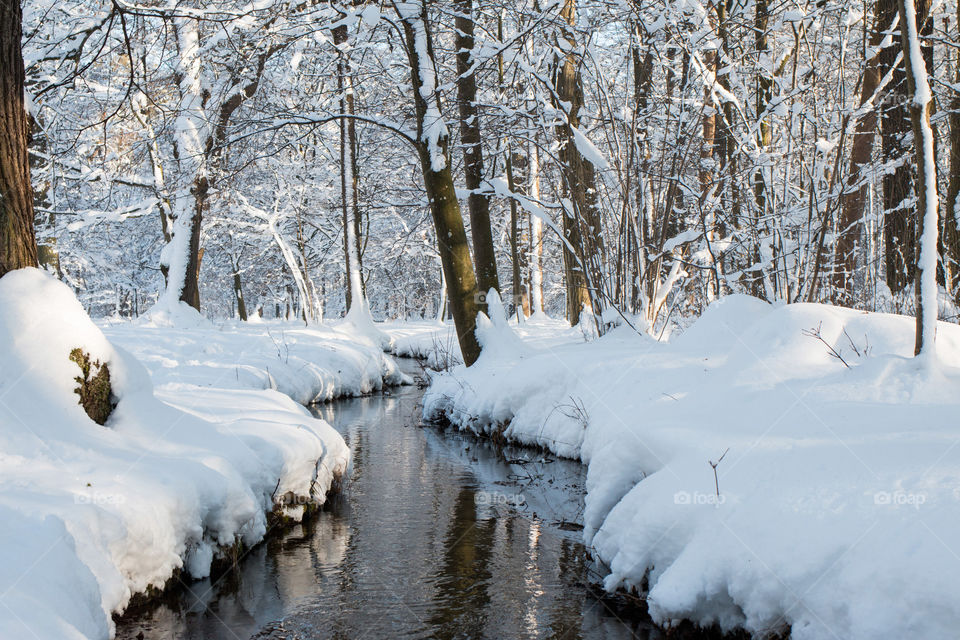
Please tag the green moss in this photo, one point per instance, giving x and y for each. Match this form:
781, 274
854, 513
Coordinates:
94, 386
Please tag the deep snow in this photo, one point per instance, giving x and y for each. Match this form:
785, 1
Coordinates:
839, 497
202, 444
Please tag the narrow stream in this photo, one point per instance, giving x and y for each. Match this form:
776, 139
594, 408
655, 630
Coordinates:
437, 535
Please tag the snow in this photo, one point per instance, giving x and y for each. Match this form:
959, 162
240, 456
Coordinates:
839, 495
203, 442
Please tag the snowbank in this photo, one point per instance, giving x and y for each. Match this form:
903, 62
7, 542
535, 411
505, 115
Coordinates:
91, 515
839, 495
309, 364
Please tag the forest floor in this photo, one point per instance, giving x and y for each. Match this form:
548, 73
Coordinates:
208, 447
771, 467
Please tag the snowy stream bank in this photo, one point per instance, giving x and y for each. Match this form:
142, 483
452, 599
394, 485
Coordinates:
208, 437
835, 509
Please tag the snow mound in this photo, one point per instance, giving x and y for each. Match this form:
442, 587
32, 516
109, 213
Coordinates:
91, 515
835, 507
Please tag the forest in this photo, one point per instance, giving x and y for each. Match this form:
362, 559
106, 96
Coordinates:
707, 249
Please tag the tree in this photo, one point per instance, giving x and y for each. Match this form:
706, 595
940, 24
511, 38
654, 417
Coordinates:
582, 224
854, 199
926, 183
349, 175
18, 246
432, 143
478, 202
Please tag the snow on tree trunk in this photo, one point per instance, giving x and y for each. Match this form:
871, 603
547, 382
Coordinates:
432, 142
478, 203
178, 256
927, 198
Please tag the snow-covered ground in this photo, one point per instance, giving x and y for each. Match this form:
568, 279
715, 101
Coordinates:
205, 440
836, 506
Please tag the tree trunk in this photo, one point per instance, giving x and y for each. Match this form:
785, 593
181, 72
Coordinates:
478, 203
432, 144
899, 231
855, 197
535, 260
18, 245
238, 292
348, 178
582, 226
180, 257
950, 222
708, 126
911, 16
517, 242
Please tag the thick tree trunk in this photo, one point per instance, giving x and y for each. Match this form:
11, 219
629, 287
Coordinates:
477, 202
911, 16
582, 226
899, 230
18, 245
180, 257
855, 198
432, 146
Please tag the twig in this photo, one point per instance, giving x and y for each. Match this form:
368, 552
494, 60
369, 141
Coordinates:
716, 480
815, 333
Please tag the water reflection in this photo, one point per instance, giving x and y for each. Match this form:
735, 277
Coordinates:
437, 535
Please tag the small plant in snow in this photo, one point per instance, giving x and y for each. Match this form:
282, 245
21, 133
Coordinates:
861, 352
283, 349
94, 386
714, 465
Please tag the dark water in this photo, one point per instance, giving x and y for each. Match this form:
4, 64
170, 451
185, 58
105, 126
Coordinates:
437, 535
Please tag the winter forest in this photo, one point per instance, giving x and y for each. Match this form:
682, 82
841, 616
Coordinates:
463, 319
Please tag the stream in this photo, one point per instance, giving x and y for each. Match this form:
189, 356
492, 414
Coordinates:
437, 534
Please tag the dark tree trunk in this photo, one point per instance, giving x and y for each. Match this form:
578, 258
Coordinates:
898, 225
18, 245
854, 200
238, 292
191, 285
478, 203
452, 244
